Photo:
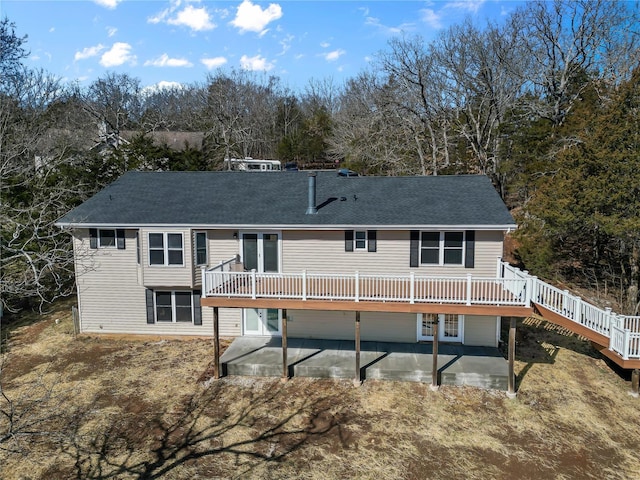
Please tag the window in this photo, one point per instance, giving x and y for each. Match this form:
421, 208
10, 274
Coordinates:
201, 248
442, 248
165, 249
173, 306
106, 238
360, 240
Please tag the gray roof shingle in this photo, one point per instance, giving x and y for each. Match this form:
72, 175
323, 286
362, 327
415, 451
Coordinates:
280, 199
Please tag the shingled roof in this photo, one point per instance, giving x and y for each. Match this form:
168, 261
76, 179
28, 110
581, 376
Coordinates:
279, 199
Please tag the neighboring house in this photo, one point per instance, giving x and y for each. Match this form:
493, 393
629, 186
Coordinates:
141, 242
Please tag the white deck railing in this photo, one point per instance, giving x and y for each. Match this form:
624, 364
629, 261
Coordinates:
355, 287
510, 287
622, 331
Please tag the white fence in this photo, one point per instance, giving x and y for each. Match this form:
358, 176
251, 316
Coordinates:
511, 286
410, 288
623, 331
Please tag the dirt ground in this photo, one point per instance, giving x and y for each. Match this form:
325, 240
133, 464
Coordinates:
97, 408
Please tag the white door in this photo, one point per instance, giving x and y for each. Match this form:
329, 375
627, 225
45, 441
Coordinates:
450, 327
262, 321
261, 251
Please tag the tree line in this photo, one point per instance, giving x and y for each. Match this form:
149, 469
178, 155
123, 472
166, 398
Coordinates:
545, 103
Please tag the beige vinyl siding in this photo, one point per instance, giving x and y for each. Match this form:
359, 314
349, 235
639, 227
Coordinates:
229, 321
169, 275
111, 298
374, 326
221, 246
480, 331
323, 252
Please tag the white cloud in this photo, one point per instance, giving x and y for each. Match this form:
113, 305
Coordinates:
257, 63
252, 18
161, 85
111, 4
471, 6
119, 54
88, 52
325, 44
285, 43
165, 61
431, 18
52, 29
375, 22
111, 31
333, 55
197, 19
214, 62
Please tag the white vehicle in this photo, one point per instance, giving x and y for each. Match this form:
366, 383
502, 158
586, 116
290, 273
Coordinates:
251, 165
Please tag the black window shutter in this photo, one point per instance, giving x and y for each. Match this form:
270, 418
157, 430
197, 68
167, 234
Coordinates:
93, 238
371, 240
470, 249
348, 240
414, 255
151, 318
197, 309
120, 239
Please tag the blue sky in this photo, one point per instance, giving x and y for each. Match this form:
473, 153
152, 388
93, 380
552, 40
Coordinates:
182, 40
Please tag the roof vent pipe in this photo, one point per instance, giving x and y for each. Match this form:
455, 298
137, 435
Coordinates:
311, 209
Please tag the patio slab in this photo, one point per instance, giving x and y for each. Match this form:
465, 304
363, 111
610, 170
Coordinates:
457, 364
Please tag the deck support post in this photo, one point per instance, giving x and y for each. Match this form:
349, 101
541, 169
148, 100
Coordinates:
357, 380
511, 380
216, 343
434, 355
285, 366
635, 383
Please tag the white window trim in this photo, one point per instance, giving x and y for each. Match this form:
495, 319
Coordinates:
441, 337
173, 306
441, 249
115, 238
166, 249
260, 234
195, 247
355, 241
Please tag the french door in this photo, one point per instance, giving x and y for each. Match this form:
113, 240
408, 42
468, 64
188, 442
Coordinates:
450, 327
262, 321
261, 251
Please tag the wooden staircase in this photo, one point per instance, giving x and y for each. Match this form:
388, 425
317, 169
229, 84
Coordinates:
616, 336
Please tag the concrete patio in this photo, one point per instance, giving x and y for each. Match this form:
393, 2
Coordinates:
481, 367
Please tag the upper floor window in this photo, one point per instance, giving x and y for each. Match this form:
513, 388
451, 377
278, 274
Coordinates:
201, 248
442, 248
166, 249
106, 238
365, 240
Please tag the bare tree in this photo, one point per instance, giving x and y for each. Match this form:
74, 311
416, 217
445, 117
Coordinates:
483, 72
114, 102
565, 38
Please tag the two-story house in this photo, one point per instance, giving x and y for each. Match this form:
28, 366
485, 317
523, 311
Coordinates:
141, 244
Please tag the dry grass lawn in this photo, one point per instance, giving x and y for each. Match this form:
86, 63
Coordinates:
100, 408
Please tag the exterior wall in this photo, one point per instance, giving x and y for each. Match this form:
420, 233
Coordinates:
323, 252
380, 326
229, 321
480, 331
221, 246
112, 295
170, 275
112, 284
